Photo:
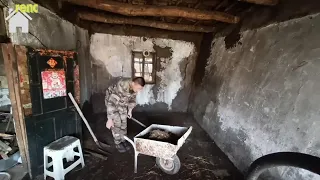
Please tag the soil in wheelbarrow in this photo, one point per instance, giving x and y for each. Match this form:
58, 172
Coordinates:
162, 135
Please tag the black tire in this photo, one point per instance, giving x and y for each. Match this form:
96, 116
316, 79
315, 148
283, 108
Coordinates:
174, 165
293, 159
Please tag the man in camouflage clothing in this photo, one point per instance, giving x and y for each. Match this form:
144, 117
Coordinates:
120, 100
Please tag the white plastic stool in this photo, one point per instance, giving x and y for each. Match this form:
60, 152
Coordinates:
58, 150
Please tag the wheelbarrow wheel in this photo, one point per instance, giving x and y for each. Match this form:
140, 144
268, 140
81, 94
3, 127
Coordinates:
169, 166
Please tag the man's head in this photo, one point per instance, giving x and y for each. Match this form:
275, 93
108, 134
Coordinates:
137, 84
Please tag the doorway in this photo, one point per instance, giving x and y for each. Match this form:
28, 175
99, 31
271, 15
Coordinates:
42, 110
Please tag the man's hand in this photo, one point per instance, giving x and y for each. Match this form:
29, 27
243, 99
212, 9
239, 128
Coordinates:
109, 124
130, 113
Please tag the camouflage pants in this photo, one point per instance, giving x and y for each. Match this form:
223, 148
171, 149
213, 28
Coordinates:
119, 115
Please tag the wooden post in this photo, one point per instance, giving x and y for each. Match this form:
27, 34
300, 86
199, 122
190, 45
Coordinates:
160, 11
10, 63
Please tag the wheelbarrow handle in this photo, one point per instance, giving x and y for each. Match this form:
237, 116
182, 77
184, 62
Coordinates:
131, 142
135, 153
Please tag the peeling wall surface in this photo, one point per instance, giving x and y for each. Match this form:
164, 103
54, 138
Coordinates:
49, 31
175, 62
261, 95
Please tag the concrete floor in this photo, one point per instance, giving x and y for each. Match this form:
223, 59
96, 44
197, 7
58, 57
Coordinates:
18, 172
200, 157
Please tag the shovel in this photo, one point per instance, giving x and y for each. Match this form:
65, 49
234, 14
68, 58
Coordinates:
102, 146
138, 122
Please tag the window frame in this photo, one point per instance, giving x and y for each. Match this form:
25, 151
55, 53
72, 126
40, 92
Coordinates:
153, 74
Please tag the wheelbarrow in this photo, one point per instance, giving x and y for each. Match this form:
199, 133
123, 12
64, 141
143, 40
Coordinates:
165, 152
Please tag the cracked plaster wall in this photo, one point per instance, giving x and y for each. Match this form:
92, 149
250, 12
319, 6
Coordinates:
112, 57
262, 95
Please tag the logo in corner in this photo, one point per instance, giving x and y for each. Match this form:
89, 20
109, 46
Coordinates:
18, 17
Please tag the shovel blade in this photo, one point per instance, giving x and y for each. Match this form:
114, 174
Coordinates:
103, 146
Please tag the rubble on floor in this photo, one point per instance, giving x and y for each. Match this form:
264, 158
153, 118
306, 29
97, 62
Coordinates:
9, 150
8, 145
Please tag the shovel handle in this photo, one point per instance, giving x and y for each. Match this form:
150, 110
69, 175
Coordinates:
138, 122
82, 117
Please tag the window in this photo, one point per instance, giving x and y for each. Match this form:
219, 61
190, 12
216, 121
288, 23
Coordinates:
143, 65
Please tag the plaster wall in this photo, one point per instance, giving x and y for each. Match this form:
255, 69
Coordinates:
260, 94
174, 65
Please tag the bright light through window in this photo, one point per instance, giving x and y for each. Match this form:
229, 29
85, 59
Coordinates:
144, 66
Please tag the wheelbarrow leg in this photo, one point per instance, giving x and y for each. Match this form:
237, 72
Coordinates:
135, 154
136, 162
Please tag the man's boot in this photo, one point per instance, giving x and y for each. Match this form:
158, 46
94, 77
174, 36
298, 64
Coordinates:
127, 145
121, 148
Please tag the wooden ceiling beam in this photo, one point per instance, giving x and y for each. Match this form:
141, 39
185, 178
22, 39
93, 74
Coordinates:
262, 2
178, 2
210, 2
111, 19
220, 4
196, 6
152, 10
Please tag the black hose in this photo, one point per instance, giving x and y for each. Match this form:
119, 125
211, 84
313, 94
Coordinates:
298, 160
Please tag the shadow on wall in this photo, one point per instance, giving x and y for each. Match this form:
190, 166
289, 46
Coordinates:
101, 80
233, 38
205, 88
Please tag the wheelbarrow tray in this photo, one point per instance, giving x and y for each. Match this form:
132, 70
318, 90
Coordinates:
161, 149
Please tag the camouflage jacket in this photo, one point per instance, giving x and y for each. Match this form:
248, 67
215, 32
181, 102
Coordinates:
119, 95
